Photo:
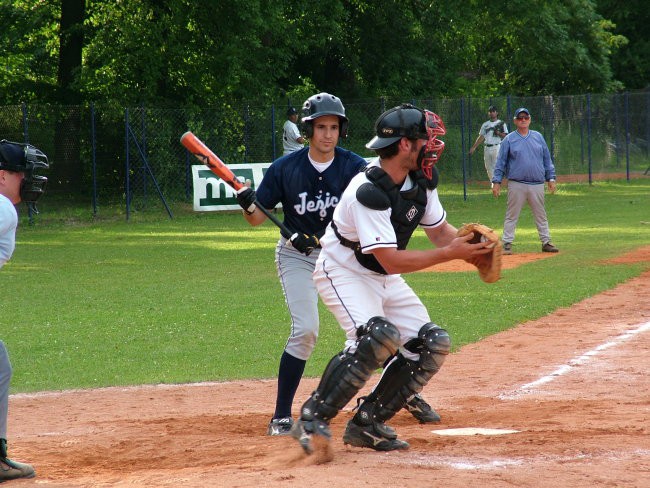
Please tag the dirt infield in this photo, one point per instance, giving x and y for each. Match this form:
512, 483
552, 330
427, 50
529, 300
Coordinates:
574, 384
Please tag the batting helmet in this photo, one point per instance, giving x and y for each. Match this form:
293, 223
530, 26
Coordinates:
25, 158
324, 104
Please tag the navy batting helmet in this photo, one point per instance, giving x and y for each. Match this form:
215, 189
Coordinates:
324, 104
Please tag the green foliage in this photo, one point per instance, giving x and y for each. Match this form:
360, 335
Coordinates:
630, 60
89, 303
542, 47
205, 53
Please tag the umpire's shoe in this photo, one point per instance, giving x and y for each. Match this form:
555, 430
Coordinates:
376, 435
303, 431
12, 470
421, 410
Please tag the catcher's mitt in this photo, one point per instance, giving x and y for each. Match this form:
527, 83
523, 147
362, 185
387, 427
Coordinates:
489, 264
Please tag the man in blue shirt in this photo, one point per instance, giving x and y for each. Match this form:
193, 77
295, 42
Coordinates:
524, 159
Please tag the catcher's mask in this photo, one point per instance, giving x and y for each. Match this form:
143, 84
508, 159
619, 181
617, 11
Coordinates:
411, 122
324, 104
25, 158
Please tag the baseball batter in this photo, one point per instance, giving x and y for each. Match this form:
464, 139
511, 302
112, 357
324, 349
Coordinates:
308, 183
358, 278
17, 182
490, 134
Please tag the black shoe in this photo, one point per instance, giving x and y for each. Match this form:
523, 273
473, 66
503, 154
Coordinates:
549, 247
303, 430
421, 410
507, 248
13, 470
280, 426
376, 436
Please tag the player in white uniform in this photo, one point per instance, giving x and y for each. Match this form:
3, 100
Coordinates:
292, 139
17, 182
490, 134
358, 278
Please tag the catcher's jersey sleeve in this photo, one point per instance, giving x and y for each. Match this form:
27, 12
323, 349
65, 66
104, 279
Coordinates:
8, 224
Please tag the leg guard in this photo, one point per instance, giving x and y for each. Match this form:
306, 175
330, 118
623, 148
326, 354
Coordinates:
404, 378
346, 373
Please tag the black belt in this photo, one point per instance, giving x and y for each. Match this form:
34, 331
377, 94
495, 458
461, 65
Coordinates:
355, 246
491, 145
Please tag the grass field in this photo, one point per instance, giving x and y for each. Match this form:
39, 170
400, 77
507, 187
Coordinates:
90, 303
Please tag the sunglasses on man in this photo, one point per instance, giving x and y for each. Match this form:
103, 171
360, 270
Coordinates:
523, 117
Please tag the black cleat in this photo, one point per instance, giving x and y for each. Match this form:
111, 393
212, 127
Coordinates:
421, 410
303, 430
376, 436
13, 470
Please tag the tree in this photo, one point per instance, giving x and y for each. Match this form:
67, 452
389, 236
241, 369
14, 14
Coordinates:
630, 61
542, 47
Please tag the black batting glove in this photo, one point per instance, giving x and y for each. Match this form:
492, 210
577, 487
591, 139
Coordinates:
304, 243
246, 199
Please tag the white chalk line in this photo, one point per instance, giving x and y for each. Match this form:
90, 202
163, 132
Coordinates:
134, 388
584, 358
463, 463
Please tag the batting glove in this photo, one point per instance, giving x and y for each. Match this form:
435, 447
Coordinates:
304, 243
246, 199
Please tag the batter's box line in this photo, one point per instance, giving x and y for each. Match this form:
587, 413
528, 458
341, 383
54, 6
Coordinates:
533, 386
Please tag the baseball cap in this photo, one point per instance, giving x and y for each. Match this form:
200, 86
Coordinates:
492, 108
291, 111
521, 109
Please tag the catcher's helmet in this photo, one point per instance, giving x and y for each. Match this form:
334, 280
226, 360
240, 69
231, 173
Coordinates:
324, 104
25, 158
411, 122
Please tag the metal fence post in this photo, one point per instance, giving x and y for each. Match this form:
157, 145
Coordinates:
128, 164
627, 135
274, 150
462, 138
589, 137
93, 141
469, 132
552, 137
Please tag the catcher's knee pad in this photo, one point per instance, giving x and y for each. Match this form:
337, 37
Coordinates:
434, 344
404, 377
346, 373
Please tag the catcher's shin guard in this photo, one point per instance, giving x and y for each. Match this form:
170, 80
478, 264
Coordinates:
346, 373
404, 377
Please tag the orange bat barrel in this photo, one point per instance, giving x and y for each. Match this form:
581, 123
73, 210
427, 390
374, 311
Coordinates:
203, 153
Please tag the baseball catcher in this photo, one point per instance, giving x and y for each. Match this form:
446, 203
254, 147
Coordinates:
489, 265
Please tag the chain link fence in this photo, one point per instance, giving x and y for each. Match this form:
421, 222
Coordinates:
133, 156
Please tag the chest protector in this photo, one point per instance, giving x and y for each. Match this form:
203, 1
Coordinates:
407, 208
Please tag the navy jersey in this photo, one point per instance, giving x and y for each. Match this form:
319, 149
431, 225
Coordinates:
308, 197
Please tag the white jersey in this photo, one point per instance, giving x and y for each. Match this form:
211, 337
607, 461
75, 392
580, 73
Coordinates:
371, 228
290, 135
488, 133
8, 224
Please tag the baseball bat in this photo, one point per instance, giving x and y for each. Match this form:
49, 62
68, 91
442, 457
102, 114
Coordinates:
203, 153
